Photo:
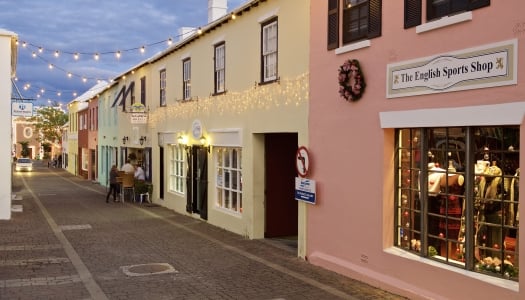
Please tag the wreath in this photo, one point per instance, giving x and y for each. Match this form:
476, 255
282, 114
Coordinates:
351, 80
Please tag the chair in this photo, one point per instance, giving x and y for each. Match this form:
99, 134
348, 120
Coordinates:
128, 184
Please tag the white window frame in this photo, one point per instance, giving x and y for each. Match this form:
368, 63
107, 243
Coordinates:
186, 79
177, 169
162, 80
228, 179
269, 51
220, 64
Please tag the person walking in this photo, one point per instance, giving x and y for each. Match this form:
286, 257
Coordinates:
113, 184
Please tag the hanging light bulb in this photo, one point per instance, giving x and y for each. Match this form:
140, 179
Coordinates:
74, 94
118, 54
34, 54
142, 49
170, 41
84, 79
57, 53
24, 44
42, 91
40, 49
199, 31
69, 74
50, 66
96, 56
59, 94
75, 56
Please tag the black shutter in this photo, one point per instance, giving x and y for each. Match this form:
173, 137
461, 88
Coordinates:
475, 4
412, 13
374, 18
333, 24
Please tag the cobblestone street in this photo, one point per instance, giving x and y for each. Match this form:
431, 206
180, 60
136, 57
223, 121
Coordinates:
65, 242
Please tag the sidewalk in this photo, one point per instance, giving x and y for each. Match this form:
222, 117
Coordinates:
67, 243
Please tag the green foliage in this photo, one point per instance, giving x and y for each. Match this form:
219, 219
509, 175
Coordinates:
49, 121
25, 149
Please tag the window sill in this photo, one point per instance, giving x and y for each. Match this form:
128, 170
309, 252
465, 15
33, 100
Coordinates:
444, 22
353, 47
504, 283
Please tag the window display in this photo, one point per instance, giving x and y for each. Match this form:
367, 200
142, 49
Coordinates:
457, 196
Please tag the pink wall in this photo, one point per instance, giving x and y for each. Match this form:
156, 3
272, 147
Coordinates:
352, 222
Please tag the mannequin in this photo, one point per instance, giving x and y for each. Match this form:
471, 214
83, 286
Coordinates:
490, 192
451, 204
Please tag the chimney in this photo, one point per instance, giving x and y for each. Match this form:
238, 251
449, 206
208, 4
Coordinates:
216, 9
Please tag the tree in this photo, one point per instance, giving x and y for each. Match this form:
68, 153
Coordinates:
25, 149
49, 121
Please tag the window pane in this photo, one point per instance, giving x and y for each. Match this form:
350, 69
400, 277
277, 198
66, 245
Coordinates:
446, 216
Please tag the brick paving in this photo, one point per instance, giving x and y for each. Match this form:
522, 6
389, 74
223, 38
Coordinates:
67, 243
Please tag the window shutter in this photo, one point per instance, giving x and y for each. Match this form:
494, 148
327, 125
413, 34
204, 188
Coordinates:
412, 13
475, 4
333, 24
374, 18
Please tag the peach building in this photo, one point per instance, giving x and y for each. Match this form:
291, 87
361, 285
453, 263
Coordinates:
416, 111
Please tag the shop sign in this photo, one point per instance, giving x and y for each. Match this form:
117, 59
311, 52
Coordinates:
481, 67
305, 190
138, 118
138, 114
22, 109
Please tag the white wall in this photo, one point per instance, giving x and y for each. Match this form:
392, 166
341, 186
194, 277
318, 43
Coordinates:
5, 122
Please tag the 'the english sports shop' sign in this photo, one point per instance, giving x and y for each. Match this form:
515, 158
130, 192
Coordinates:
481, 67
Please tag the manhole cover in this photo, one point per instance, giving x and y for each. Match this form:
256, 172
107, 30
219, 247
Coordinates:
148, 269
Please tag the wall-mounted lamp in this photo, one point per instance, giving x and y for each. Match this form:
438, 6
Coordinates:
203, 140
124, 139
142, 140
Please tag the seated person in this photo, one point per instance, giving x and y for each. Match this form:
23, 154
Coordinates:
128, 167
139, 173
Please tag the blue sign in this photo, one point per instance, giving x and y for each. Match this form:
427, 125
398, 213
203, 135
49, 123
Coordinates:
305, 190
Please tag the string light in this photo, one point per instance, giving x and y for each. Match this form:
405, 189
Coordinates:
289, 92
38, 50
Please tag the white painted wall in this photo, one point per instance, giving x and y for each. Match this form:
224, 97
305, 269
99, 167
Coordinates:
6, 71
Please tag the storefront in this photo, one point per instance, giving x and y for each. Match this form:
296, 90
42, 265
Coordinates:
417, 166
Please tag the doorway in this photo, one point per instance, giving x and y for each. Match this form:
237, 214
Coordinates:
197, 181
281, 208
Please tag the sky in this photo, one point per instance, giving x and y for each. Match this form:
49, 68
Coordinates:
88, 27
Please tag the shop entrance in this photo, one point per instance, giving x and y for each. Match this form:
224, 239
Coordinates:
281, 208
197, 181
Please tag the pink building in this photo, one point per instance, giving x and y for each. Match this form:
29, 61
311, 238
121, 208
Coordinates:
417, 166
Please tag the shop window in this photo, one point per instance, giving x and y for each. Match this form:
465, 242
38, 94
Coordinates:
360, 20
457, 197
177, 169
229, 178
438, 8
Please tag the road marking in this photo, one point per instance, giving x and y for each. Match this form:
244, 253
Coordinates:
59, 280
34, 261
30, 247
74, 227
87, 279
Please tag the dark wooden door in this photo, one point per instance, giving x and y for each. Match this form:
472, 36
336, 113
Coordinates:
281, 206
